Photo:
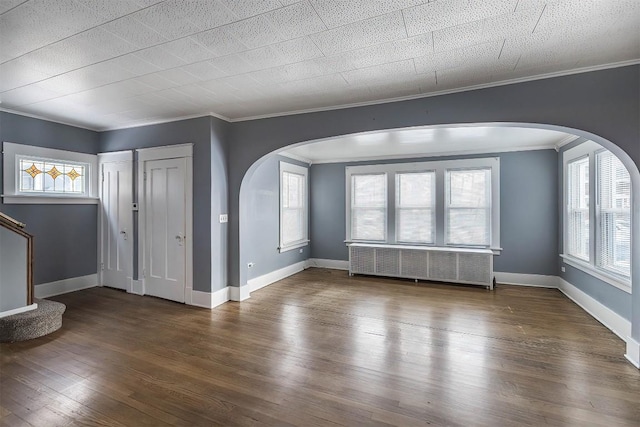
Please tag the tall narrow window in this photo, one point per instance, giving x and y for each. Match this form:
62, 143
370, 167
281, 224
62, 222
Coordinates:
415, 207
578, 208
468, 207
613, 211
369, 207
293, 206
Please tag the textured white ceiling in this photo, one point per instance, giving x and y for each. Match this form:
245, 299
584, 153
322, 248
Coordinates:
437, 141
116, 63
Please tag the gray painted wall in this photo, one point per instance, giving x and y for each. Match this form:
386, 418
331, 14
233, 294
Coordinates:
209, 179
65, 242
616, 299
528, 211
13, 271
263, 210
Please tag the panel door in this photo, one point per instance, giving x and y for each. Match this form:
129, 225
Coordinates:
165, 228
116, 224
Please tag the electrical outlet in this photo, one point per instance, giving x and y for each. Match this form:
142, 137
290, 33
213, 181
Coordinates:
301, 250
224, 218
562, 268
250, 265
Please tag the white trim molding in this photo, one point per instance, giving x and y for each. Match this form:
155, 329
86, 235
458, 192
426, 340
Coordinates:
612, 320
520, 279
64, 286
274, 276
633, 352
333, 264
137, 287
18, 310
239, 293
208, 299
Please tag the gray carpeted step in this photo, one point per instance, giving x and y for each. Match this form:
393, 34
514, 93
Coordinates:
36, 323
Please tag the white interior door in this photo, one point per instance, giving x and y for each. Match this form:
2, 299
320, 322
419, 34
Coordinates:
116, 220
165, 228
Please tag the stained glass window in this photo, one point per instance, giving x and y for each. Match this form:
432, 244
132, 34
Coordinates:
51, 176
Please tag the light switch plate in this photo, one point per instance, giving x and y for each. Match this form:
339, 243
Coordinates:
224, 218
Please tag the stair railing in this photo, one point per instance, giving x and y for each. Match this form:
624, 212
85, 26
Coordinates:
17, 227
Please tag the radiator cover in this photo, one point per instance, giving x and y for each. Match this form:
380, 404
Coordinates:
455, 265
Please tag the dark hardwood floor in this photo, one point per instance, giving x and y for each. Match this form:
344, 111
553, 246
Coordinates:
321, 348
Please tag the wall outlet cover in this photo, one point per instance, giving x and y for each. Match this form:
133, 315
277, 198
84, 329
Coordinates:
224, 218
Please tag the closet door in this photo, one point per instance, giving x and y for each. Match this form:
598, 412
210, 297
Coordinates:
165, 228
115, 235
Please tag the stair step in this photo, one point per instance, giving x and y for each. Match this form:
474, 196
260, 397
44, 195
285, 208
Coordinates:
45, 319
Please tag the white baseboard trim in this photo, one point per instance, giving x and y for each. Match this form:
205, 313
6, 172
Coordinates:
333, 264
612, 320
64, 286
137, 287
209, 300
239, 293
633, 352
519, 279
18, 310
269, 278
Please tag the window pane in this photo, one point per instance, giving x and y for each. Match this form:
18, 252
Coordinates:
415, 225
469, 188
468, 213
578, 208
468, 226
293, 225
293, 207
368, 223
369, 190
614, 202
414, 203
368, 207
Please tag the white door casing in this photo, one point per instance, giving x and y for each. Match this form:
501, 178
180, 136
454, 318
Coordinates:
165, 222
115, 235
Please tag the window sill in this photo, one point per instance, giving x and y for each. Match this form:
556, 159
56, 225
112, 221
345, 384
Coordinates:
294, 246
48, 200
597, 273
496, 251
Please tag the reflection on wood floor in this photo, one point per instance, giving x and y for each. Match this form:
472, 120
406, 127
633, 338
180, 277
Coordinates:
321, 348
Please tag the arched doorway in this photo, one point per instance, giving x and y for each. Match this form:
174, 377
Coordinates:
245, 237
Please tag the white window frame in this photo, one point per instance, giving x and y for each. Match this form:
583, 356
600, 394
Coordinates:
440, 167
588, 149
447, 205
298, 170
12, 153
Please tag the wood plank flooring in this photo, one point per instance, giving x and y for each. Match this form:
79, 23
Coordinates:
324, 349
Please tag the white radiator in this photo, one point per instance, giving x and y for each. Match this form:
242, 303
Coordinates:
457, 265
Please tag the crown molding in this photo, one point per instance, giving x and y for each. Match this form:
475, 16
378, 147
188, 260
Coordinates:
171, 120
295, 157
444, 92
337, 107
47, 119
566, 140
